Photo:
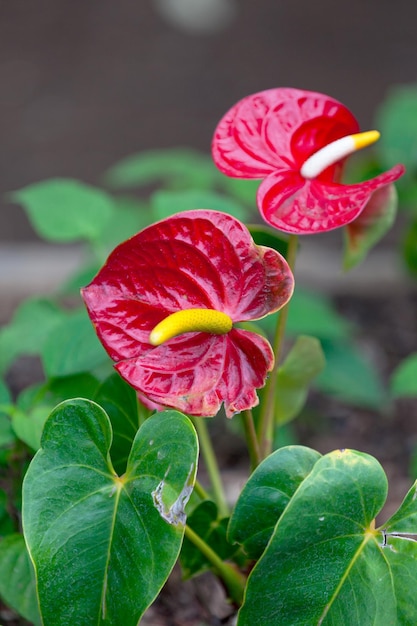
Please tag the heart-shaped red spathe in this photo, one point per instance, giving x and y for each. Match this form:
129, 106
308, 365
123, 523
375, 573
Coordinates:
196, 259
269, 135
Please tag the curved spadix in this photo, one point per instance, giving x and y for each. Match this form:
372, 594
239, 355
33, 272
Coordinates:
190, 320
335, 151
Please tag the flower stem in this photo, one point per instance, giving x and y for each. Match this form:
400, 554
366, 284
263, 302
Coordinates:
200, 491
235, 581
251, 439
211, 465
266, 422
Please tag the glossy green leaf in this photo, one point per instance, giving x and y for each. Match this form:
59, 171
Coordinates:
404, 378
72, 347
266, 494
63, 209
179, 167
204, 521
373, 223
28, 330
302, 364
166, 203
325, 563
350, 377
404, 521
17, 578
120, 402
103, 546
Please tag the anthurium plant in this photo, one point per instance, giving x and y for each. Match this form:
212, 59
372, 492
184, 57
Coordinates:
184, 322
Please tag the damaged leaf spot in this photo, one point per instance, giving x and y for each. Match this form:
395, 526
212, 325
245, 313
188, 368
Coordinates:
174, 514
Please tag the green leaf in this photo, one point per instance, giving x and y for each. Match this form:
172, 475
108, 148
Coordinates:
35, 403
63, 209
28, 426
82, 385
204, 521
17, 578
325, 563
350, 377
120, 402
5, 396
128, 218
7, 437
6, 523
373, 223
410, 248
303, 363
396, 118
266, 494
179, 167
270, 238
27, 332
103, 546
72, 347
404, 521
56, 390
166, 203
404, 378
244, 190
311, 314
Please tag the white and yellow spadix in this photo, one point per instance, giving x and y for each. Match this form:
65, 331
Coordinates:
335, 151
190, 320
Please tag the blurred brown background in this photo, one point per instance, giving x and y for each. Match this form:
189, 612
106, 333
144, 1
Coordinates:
85, 83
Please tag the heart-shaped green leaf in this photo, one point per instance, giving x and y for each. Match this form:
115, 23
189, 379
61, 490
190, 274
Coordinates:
64, 209
17, 578
325, 563
103, 545
120, 402
266, 494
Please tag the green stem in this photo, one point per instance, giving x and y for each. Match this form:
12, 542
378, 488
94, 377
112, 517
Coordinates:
200, 491
266, 421
251, 439
232, 578
211, 465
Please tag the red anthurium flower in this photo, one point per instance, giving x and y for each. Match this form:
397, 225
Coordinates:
297, 141
165, 303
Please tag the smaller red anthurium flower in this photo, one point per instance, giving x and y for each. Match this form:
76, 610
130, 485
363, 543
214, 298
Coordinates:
165, 303
297, 142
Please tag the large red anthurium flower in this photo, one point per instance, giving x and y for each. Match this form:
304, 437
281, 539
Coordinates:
297, 141
165, 303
